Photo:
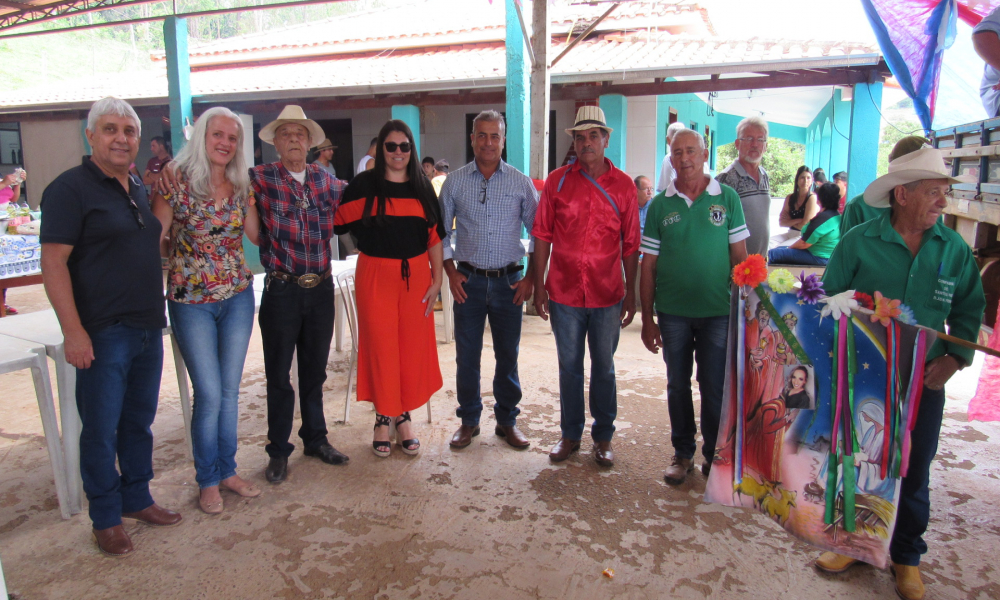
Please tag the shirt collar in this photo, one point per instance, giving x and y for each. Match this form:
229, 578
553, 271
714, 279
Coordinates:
713, 189
576, 166
99, 173
501, 168
883, 228
743, 172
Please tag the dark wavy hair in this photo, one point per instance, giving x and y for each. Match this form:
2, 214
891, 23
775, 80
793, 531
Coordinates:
798, 173
418, 182
829, 196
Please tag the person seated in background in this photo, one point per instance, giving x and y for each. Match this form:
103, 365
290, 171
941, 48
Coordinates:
819, 178
800, 207
840, 179
10, 191
819, 237
428, 165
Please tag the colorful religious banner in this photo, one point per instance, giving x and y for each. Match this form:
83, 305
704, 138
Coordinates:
816, 414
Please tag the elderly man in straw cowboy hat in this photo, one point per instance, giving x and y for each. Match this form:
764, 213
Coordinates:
296, 202
588, 220
907, 254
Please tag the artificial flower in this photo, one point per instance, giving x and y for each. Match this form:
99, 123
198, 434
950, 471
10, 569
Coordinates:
781, 281
885, 309
812, 288
751, 272
839, 305
864, 300
906, 315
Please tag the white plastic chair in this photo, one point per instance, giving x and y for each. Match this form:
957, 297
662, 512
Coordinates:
345, 282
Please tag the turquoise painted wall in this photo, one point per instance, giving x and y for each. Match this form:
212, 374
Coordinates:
831, 130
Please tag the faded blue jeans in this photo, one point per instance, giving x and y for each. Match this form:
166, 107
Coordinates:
213, 338
576, 329
488, 298
117, 398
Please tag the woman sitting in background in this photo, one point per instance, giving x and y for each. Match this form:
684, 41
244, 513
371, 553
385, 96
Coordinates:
800, 207
819, 237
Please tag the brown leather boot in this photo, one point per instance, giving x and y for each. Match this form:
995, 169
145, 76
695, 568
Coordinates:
113, 541
909, 585
831, 562
677, 472
513, 436
563, 448
155, 515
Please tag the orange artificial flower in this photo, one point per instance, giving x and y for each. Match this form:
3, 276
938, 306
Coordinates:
885, 309
751, 272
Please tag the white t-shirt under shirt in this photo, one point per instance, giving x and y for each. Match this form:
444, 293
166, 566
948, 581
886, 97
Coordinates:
990, 96
300, 176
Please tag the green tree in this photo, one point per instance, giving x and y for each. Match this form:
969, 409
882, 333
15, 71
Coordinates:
892, 133
780, 161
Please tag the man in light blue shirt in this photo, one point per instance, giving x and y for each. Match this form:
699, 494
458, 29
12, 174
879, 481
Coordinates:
489, 202
986, 41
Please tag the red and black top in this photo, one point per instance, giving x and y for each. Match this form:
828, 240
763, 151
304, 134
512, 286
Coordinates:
405, 231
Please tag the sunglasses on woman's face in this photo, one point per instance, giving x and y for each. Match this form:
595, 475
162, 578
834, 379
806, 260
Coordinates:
391, 147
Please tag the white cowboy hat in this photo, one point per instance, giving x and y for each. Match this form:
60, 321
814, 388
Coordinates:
589, 117
926, 163
293, 114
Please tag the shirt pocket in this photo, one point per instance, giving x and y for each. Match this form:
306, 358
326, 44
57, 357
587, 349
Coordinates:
942, 291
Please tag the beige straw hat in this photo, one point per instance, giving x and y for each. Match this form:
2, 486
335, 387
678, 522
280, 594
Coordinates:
926, 163
293, 114
589, 117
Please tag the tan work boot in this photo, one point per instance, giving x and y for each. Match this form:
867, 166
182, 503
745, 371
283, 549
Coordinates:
678, 470
909, 586
831, 562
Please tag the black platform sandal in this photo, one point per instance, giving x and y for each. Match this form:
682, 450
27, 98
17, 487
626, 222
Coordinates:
382, 449
409, 447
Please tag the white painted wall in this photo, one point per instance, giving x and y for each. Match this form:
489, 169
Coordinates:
50, 147
640, 147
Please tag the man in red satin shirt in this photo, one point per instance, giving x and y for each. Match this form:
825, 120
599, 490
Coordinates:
588, 221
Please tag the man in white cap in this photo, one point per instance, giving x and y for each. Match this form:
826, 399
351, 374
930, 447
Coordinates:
588, 220
906, 254
296, 202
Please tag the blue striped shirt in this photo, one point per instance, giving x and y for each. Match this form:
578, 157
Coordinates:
488, 215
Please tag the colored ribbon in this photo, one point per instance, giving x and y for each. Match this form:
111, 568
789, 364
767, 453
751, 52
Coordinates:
741, 366
914, 392
790, 339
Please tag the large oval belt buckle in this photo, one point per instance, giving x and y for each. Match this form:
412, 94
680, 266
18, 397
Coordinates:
309, 280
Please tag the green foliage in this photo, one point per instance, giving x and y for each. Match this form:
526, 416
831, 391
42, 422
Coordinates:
891, 135
780, 161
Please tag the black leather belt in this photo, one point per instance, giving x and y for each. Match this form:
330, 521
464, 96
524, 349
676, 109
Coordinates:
511, 268
309, 280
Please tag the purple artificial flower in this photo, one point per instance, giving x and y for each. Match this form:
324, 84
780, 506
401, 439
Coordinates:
812, 288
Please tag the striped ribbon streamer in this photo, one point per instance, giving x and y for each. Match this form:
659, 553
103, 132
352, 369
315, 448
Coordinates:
914, 392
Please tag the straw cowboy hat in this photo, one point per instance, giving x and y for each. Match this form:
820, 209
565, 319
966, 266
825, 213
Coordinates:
589, 117
926, 163
326, 143
293, 114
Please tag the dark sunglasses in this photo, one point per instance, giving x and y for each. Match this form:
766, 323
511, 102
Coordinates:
136, 213
391, 147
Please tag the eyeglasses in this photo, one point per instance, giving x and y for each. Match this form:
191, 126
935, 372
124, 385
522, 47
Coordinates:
482, 199
391, 147
750, 140
648, 189
136, 213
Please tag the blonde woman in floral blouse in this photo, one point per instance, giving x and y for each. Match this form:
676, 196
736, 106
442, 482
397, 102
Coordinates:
210, 291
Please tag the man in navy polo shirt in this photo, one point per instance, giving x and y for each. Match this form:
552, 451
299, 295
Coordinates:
101, 260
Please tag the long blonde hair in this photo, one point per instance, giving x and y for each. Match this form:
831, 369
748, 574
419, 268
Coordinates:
193, 163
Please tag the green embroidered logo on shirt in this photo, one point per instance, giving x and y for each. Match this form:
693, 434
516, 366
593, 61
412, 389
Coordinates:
671, 219
717, 214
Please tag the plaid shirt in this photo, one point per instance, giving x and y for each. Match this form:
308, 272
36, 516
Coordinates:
296, 220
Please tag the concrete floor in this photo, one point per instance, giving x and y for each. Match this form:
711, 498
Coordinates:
486, 520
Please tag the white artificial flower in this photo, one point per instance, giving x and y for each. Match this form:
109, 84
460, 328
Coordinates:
838, 305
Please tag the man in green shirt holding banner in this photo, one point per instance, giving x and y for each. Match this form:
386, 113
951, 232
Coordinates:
907, 254
700, 240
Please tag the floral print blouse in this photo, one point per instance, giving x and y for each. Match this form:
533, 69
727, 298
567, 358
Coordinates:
206, 258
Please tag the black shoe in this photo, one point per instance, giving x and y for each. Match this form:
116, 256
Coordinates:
277, 469
327, 453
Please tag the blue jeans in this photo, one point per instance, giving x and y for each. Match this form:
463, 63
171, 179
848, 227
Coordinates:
117, 398
794, 256
488, 298
599, 329
914, 510
213, 338
687, 340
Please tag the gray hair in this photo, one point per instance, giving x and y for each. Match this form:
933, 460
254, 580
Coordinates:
701, 138
193, 163
673, 129
112, 106
754, 121
491, 116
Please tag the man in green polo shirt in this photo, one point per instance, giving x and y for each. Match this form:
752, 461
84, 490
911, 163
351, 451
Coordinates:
700, 241
907, 254
857, 211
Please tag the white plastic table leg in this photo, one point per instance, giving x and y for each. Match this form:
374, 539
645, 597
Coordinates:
71, 426
50, 426
185, 392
